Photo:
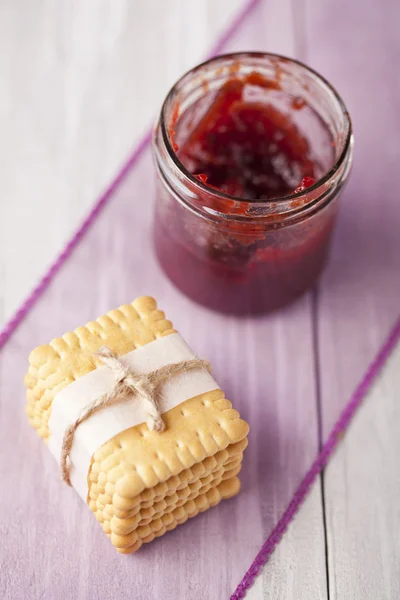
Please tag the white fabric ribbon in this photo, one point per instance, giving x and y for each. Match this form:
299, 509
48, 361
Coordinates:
108, 422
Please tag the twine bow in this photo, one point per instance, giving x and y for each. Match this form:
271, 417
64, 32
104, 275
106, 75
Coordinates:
143, 387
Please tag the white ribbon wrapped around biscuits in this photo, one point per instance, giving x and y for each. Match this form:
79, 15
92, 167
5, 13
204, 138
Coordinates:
107, 422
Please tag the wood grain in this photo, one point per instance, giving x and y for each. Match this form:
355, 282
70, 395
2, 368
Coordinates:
79, 83
362, 491
214, 550
296, 570
359, 298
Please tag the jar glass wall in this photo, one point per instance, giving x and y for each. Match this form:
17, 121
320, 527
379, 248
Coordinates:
247, 229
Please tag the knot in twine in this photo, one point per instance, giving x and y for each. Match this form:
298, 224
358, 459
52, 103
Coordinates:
127, 383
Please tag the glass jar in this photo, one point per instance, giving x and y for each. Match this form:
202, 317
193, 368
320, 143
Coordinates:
236, 255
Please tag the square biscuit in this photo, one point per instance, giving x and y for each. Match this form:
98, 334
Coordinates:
102, 504
133, 473
167, 499
169, 521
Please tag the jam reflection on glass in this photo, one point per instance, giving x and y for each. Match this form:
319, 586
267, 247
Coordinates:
250, 150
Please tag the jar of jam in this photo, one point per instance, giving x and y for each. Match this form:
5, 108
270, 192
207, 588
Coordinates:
252, 151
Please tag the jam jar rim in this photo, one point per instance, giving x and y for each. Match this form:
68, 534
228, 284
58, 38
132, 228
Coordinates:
280, 200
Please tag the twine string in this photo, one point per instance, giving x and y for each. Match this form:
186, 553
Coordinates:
142, 388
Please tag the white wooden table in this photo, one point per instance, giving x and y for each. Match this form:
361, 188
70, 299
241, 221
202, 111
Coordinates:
74, 97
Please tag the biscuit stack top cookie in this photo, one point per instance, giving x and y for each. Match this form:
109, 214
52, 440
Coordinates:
142, 483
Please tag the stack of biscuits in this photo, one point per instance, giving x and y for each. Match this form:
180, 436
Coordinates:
142, 483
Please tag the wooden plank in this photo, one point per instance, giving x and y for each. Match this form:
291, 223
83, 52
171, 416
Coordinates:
297, 568
362, 491
359, 297
207, 557
81, 82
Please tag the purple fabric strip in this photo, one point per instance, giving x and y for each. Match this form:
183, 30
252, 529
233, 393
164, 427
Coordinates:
26, 306
320, 462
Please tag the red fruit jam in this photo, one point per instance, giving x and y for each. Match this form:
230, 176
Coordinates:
247, 149
221, 233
